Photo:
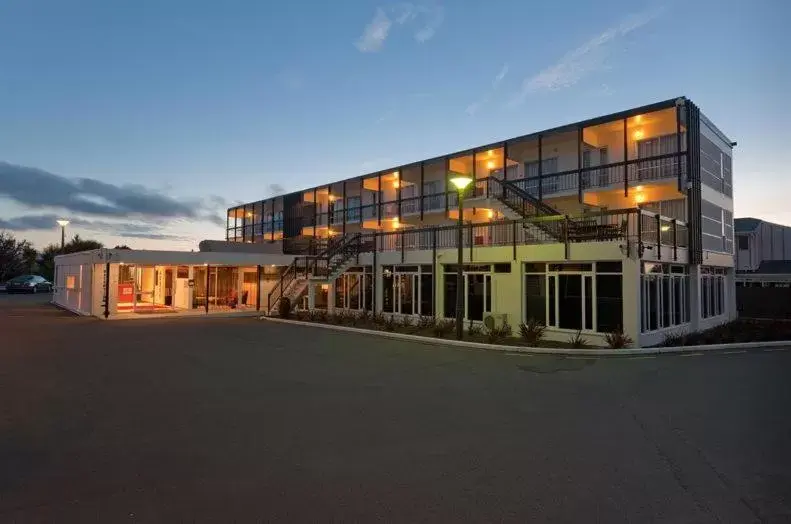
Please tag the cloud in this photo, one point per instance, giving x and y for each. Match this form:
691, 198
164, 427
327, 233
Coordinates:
473, 108
39, 189
432, 19
424, 19
375, 33
583, 61
276, 189
121, 229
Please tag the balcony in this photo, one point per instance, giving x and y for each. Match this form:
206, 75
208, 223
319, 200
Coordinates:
652, 236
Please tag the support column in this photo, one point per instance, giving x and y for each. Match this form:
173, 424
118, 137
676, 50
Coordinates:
694, 298
331, 296
311, 296
377, 288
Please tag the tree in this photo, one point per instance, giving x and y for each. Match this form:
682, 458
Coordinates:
75, 245
124, 246
17, 257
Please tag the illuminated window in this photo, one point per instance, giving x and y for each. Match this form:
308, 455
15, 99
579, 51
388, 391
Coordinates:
71, 282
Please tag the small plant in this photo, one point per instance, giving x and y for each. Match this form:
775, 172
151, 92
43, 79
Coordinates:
333, 317
284, 307
390, 323
617, 339
532, 331
320, 315
577, 341
474, 329
363, 318
425, 322
498, 334
442, 327
378, 319
406, 323
675, 339
301, 314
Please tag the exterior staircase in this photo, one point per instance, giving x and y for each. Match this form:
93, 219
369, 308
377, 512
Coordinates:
517, 204
336, 257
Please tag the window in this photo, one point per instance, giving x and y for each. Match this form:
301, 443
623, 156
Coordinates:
744, 242
576, 296
536, 298
476, 291
712, 292
609, 302
71, 282
664, 296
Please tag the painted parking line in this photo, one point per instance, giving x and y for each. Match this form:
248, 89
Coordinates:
776, 349
734, 352
692, 354
641, 357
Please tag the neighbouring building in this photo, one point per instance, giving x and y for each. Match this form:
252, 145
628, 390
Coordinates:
763, 253
623, 221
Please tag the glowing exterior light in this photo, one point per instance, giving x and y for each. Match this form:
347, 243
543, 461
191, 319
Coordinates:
639, 198
461, 182
665, 228
489, 165
490, 153
63, 223
638, 135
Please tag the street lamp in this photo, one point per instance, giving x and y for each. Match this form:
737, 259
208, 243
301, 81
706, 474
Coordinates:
460, 182
63, 223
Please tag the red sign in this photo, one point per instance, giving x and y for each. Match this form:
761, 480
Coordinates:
126, 293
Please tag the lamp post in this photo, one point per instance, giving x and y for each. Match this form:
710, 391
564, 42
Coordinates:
460, 182
63, 224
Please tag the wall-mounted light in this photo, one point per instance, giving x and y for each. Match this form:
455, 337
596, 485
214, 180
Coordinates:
490, 153
491, 213
639, 198
396, 184
396, 174
638, 134
638, 119
638, 189
664, 228
490, 164
325, 287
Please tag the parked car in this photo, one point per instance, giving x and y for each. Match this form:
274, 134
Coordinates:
28, 284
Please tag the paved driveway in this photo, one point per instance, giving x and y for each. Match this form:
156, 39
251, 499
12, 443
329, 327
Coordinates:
223, 419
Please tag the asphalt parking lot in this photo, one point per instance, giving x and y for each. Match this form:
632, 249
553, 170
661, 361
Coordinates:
161, 420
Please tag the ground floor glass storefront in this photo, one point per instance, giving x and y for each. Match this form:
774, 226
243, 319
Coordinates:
354, 289
476, 288
408, 290
575, 296
169, 289
664, 292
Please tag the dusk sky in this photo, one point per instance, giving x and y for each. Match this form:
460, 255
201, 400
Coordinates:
141, 121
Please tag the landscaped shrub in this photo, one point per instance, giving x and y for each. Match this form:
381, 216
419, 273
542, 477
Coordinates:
443, 327
333, 317
378, 320
284, 307
363, 318
532, 331
406, 323
474, 329
577, 341
301, 314
425, 322
498, 334
675, 339
618, 339
390, 323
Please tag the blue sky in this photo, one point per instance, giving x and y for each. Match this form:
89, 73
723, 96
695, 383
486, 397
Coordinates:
182, 107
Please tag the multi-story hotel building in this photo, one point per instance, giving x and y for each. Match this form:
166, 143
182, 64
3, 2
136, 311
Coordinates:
622, 221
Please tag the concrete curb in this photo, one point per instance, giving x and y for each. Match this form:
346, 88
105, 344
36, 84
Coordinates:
604, 352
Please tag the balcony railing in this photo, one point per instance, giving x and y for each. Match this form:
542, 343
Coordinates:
634, 228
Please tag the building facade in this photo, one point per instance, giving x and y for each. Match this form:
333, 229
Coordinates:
619, 222
763, 251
